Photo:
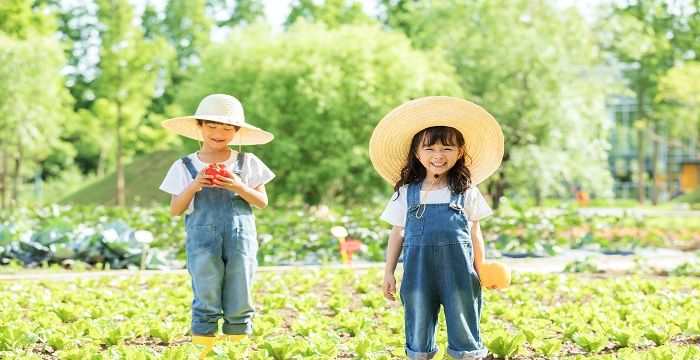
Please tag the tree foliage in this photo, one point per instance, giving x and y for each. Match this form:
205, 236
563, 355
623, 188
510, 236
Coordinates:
33, 104
647, 38
333, 13
320, 91
126, 83
526, 62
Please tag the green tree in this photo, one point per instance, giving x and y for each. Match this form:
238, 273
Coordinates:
128, 70
33, 103
678, 89
320, 92
32, 100
330, 12
20, 20
78, 31
647, 38
187, 30
244, 12
525, 61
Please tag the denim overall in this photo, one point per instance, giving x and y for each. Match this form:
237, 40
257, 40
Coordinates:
438, 270
221, 257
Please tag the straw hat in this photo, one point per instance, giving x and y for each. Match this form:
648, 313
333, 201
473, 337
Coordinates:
221, 108
391, 139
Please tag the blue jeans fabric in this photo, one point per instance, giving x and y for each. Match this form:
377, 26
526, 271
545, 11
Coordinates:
221, 258
438, 270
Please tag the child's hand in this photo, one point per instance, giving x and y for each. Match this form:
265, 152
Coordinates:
232, 182
478, 275
202, 180
389, 286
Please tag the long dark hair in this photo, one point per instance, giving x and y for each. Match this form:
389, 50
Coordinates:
458, 177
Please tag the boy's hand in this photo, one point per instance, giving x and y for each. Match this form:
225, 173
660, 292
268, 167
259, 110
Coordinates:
202, 180
389, 286
232, 183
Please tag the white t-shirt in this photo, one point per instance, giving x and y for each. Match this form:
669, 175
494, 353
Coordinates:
475, 206
254, 173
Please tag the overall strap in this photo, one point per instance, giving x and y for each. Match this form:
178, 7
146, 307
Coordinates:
188, 164
413, 195
238, 167
457, 201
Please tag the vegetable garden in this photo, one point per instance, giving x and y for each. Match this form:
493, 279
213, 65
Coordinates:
326, 313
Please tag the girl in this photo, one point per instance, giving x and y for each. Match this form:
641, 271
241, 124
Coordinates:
435, 150
221, 243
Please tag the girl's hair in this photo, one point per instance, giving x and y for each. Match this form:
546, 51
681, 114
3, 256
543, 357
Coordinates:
458, 177
201, 122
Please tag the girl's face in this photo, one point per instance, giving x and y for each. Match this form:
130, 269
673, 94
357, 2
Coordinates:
438, 149
437, 158
217, 135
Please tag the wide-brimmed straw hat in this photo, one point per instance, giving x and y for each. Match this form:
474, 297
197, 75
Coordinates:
222, 108
391, 139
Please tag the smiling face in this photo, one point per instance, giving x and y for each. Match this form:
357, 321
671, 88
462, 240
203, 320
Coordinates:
438, 150
216, 135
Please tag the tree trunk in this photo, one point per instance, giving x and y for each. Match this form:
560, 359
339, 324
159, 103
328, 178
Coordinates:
18, 177
655, 143
538, 196
669, 171
5, 175
500, 188
497, 188
641, 191
121, 196
102, 162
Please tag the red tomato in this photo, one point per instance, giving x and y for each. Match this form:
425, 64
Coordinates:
217, 169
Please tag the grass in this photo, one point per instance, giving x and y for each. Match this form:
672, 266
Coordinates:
142, 177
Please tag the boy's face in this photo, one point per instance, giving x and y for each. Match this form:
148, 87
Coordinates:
437, 158
217, 135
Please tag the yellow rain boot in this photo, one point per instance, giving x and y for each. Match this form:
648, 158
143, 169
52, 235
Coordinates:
233, 338
206, 341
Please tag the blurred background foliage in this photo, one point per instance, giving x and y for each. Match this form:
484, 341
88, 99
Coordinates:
86, 83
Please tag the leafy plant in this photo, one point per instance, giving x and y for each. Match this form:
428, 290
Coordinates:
591, 341
548, 347
167, 332
505, 345
625, 337
12, 337
281, 349
660, 334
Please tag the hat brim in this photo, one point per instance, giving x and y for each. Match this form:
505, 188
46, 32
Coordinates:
391, 139
246, 135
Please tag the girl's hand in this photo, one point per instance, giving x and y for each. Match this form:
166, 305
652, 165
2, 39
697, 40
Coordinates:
478, 275
232, 183
202, 180
389, 286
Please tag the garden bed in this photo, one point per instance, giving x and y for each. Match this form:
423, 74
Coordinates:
341, 313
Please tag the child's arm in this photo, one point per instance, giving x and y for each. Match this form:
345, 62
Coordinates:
393, 251
478, 242
180, 203
254, 196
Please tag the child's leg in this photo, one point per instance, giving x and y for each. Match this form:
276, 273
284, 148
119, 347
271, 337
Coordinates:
241, 263
461, 295
421, 302
206, 266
